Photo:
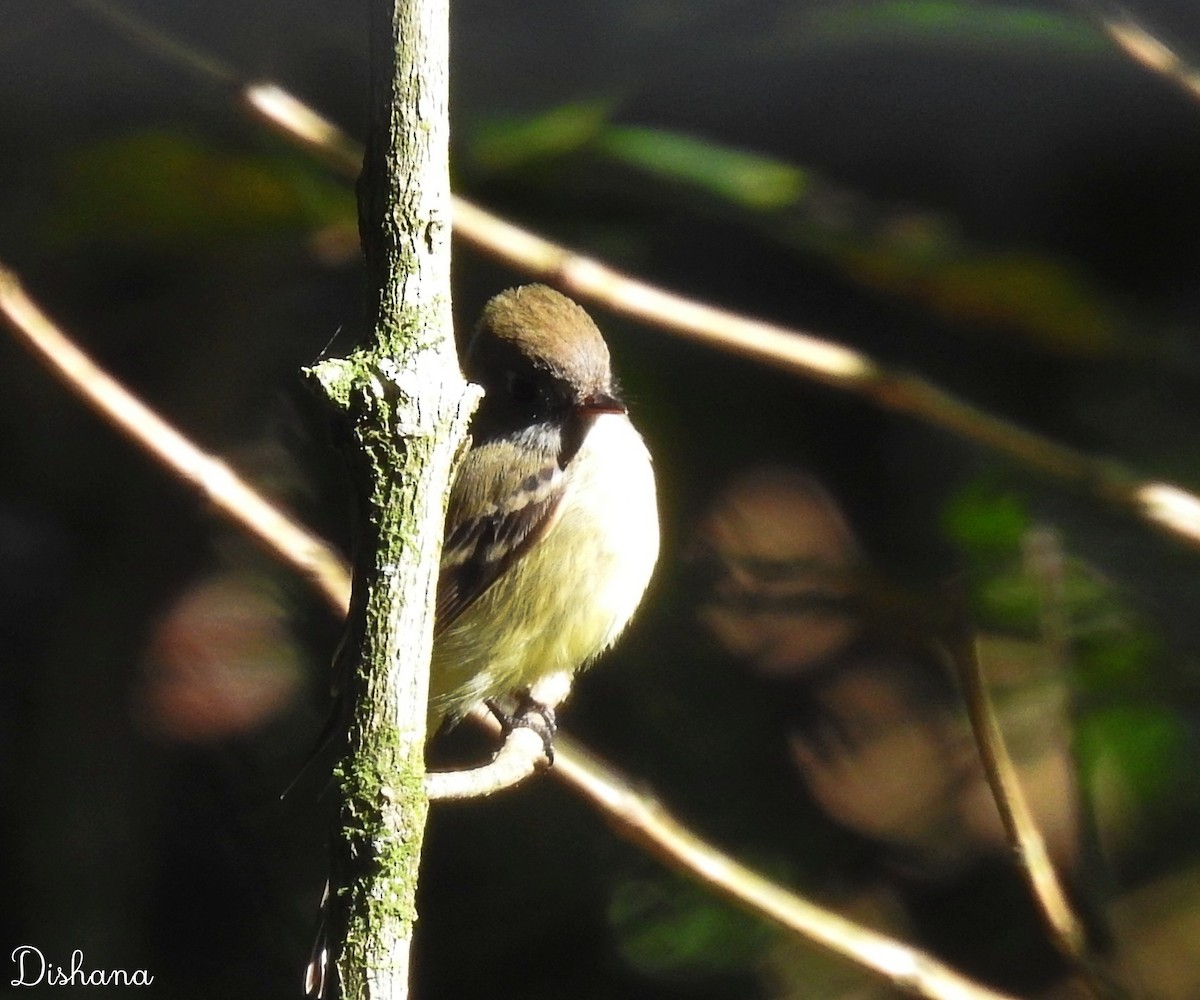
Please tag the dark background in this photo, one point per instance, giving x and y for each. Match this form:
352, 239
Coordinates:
996, 198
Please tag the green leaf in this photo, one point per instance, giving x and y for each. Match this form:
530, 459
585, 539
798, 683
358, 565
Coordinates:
516, 142
1146, 742
907, 253
1117, 659
985, 520
954, 23
667, 925
167, 189
748, 179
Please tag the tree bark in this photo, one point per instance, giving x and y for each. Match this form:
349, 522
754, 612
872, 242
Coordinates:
406, 407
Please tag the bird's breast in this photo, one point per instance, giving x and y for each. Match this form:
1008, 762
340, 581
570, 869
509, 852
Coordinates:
610, 519
573, 591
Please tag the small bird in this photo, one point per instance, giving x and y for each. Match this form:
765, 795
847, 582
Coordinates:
552, 524
551, 528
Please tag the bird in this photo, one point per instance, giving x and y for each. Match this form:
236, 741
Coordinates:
552, 528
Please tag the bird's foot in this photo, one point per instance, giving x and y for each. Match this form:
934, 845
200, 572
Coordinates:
529, 714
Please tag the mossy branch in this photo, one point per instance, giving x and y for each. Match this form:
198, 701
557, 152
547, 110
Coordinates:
636, 815
405, 406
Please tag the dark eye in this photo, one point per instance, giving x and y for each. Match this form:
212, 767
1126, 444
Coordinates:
521, 389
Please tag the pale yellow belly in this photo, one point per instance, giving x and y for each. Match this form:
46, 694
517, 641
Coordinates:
573, 593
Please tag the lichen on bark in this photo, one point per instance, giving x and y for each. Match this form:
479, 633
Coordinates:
405, 406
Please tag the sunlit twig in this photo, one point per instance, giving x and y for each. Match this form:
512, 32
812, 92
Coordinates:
643, 819
635, 814
522, 755
1142, 45
1066, 930
1166, 506
317, 561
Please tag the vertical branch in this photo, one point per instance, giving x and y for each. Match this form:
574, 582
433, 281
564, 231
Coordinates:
406, 407
634, 814
1066, 929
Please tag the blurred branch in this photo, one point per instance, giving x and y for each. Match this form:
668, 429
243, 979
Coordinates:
146, 36
1045, 563
1142, 45
643, 819
1020, 826
635, 815
1165, 506
316, 560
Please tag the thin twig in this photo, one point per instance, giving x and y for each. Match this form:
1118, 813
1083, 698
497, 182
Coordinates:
1021, 829
644, 820
636, 815
1166, 506
316, 560
148, 37
1142, 45
522, 755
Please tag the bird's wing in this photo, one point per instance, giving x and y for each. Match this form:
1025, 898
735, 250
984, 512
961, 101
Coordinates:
521, 503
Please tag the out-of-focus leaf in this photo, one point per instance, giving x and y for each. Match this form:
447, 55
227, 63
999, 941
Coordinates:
910, 254
1116, 659
986, 521
668, 926
1146, 742
1049, 299
990, 526
748, 179
954, 23
168, 189
517, 142
1132, 746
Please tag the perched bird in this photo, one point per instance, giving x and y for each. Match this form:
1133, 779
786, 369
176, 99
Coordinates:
551, 529
552, 525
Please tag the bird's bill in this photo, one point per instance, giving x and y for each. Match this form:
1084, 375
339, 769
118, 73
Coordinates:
601, 402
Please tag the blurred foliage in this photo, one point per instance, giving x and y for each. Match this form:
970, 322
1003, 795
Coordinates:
954, 23
671, 926
163, 190
903, 251
1127, 732
519, 143
695, 167
986, 520
742, 178
1148, 744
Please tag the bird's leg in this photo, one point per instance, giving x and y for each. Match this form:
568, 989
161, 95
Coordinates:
529, 713
540, 717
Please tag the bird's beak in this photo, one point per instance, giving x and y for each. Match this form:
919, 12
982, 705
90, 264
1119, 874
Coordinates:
595, 403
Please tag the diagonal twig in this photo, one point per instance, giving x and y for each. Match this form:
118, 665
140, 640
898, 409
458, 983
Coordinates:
315, 560
634, 814
1142, 45
1029, 846
1166, 506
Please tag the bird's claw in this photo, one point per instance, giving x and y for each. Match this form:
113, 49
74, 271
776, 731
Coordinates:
529, 714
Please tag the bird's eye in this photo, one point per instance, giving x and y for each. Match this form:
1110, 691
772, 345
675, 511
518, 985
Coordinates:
521, 389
